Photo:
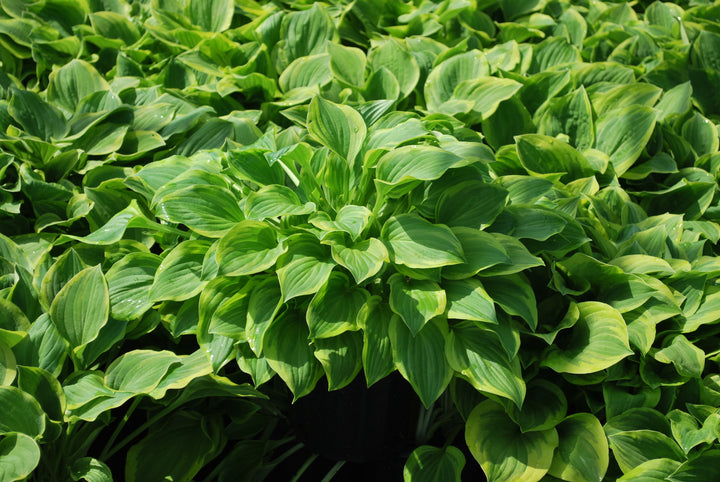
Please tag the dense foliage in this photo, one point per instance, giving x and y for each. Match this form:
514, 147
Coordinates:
207, 206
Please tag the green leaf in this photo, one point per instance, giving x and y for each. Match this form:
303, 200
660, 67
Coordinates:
688, 433
514, 294
503, 452
636, 447
583, 453
482, 95
417, 243
341, 358
65, 267
208, 210
395, 57
338, 127
688, 360
547, 155
655, 470
7, 365
274, 201
623, 133
176, 449
363, 259
411, 163
326, 317
306, 72
178, 277
377, 358
129, 281
248, 248
416, 301
598, 340
140, 371
347, 64
702, 467
432, 464
350, 219
304, 268
37, 118
286, 348
675, 101
482, 251
701, 133
81, 308
468, 300
45, 388
306, 32
477, 354
544, 407
72, 82
265, 301
113, 25
19, 455
570, 115
212, 15
471, 204
91, 470
22, 413
445, 77
420, 358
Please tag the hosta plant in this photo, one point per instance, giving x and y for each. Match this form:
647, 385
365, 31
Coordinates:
208, 206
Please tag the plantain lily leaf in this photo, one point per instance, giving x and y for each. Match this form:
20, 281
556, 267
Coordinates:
429, 464
19, 456
396, 58
129, 281
635, 447
420, 358
655, 470
328, 319
503, 452
377, 357
547, 155
445, 77
468, 300
545, 406
341, 358
417, 243
583, 452
338, 127
265, 301
208, 210
477, 353
623, 133
304, 268
8, 366
175, 449
416, 301
364, 259
273, 201
178, 277
82, 307
23, 413
347, 64
249, 247
88, 468
290, 356
598, 340
212, 15
73, 82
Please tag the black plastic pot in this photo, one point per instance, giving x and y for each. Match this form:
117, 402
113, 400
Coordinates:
359, 424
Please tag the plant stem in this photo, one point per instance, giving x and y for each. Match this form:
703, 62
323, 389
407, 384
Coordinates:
162, 413
119, 428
